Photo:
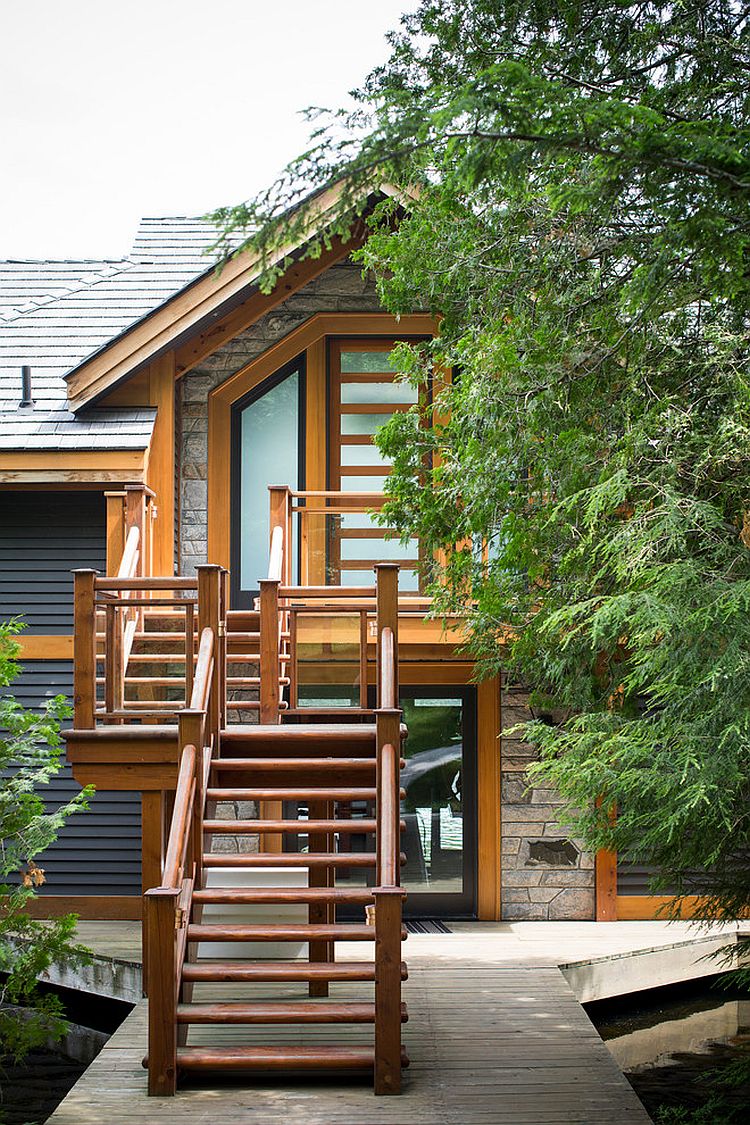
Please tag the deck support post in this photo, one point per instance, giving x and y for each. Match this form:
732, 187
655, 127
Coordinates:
84, 649
160, 909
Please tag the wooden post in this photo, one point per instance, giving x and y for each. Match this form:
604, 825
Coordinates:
386, 583
152, 855
115, 530
388, 904
269, 650
281, 517
84, 649
160, 908
209, 617
135, 516
606, 885
191, 732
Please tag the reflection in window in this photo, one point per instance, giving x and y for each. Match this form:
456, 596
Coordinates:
269, 454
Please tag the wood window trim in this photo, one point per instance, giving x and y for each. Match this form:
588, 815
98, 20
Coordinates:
309, 337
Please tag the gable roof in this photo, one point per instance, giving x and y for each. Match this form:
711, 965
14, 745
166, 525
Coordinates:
55, 314
209, 297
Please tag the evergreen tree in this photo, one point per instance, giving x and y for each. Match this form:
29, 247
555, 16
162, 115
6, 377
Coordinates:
574, 181
30, 755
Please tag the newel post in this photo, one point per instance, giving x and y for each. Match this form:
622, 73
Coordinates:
84, 649
269, 650
160, 906
388, 937
281, 516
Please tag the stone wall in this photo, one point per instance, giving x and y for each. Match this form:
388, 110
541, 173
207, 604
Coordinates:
545, 875
340, 289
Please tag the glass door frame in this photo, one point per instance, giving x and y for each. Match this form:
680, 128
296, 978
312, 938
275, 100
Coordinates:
428, 904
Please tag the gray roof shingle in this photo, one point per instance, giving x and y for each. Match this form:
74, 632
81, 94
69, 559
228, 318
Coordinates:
55, 314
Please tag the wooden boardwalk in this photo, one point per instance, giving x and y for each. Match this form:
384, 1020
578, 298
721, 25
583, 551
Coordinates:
495, 1035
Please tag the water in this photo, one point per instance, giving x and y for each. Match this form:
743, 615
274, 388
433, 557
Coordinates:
668, 1041
31, 1090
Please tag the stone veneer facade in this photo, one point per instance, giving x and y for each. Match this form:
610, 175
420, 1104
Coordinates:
544, 875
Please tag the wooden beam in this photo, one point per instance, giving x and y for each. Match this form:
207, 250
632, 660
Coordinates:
68, 467
120, 908
45, 647
204, 343
636, 908
489, 725
115, 530
161, 462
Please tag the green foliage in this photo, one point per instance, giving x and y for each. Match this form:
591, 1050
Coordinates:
30, 754
574, 189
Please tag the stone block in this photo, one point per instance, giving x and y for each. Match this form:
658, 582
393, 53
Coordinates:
522, 878
514, 790
226, 810
519, 894
543, 894
524, 912
572, 905
569, 878
224, 845
551, 853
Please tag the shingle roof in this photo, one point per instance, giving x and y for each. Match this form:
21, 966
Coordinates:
55, 314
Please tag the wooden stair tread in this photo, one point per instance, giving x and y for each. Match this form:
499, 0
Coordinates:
281, 1012
359, 765
267, 895
266, 971
290, 827
290, 859
221, 931
331, 732
284, 793
275, 1058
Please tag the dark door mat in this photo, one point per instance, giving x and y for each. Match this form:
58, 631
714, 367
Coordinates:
425, 926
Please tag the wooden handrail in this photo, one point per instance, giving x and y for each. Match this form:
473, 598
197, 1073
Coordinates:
203, 672
388, 670
181, 819
129, 582
129, 561
276, 557
388, 842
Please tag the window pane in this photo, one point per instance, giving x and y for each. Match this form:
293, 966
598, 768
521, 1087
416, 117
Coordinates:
353, 363
361, 484
269, 435
377, 392
362, 423
363, 455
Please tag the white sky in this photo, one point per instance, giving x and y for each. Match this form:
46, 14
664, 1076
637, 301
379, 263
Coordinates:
114, 109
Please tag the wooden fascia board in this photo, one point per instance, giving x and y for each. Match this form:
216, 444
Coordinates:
223, 330
188, 308
74, 467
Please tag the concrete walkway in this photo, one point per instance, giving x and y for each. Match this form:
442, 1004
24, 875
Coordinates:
496, 1034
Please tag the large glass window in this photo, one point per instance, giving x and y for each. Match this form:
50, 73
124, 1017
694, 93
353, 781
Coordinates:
267, 436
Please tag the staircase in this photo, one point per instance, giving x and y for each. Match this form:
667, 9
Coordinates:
232, 988
325, 768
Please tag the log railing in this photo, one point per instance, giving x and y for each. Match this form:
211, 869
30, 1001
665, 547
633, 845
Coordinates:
167, 907
388, 894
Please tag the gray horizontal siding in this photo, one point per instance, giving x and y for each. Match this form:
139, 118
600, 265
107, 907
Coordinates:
98, 852
43, 536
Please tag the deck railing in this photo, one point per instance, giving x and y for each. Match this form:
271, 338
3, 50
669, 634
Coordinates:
115, 684
167, 907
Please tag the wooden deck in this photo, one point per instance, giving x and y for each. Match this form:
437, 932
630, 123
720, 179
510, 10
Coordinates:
496, 1034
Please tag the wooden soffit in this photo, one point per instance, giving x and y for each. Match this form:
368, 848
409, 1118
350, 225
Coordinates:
209, 311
